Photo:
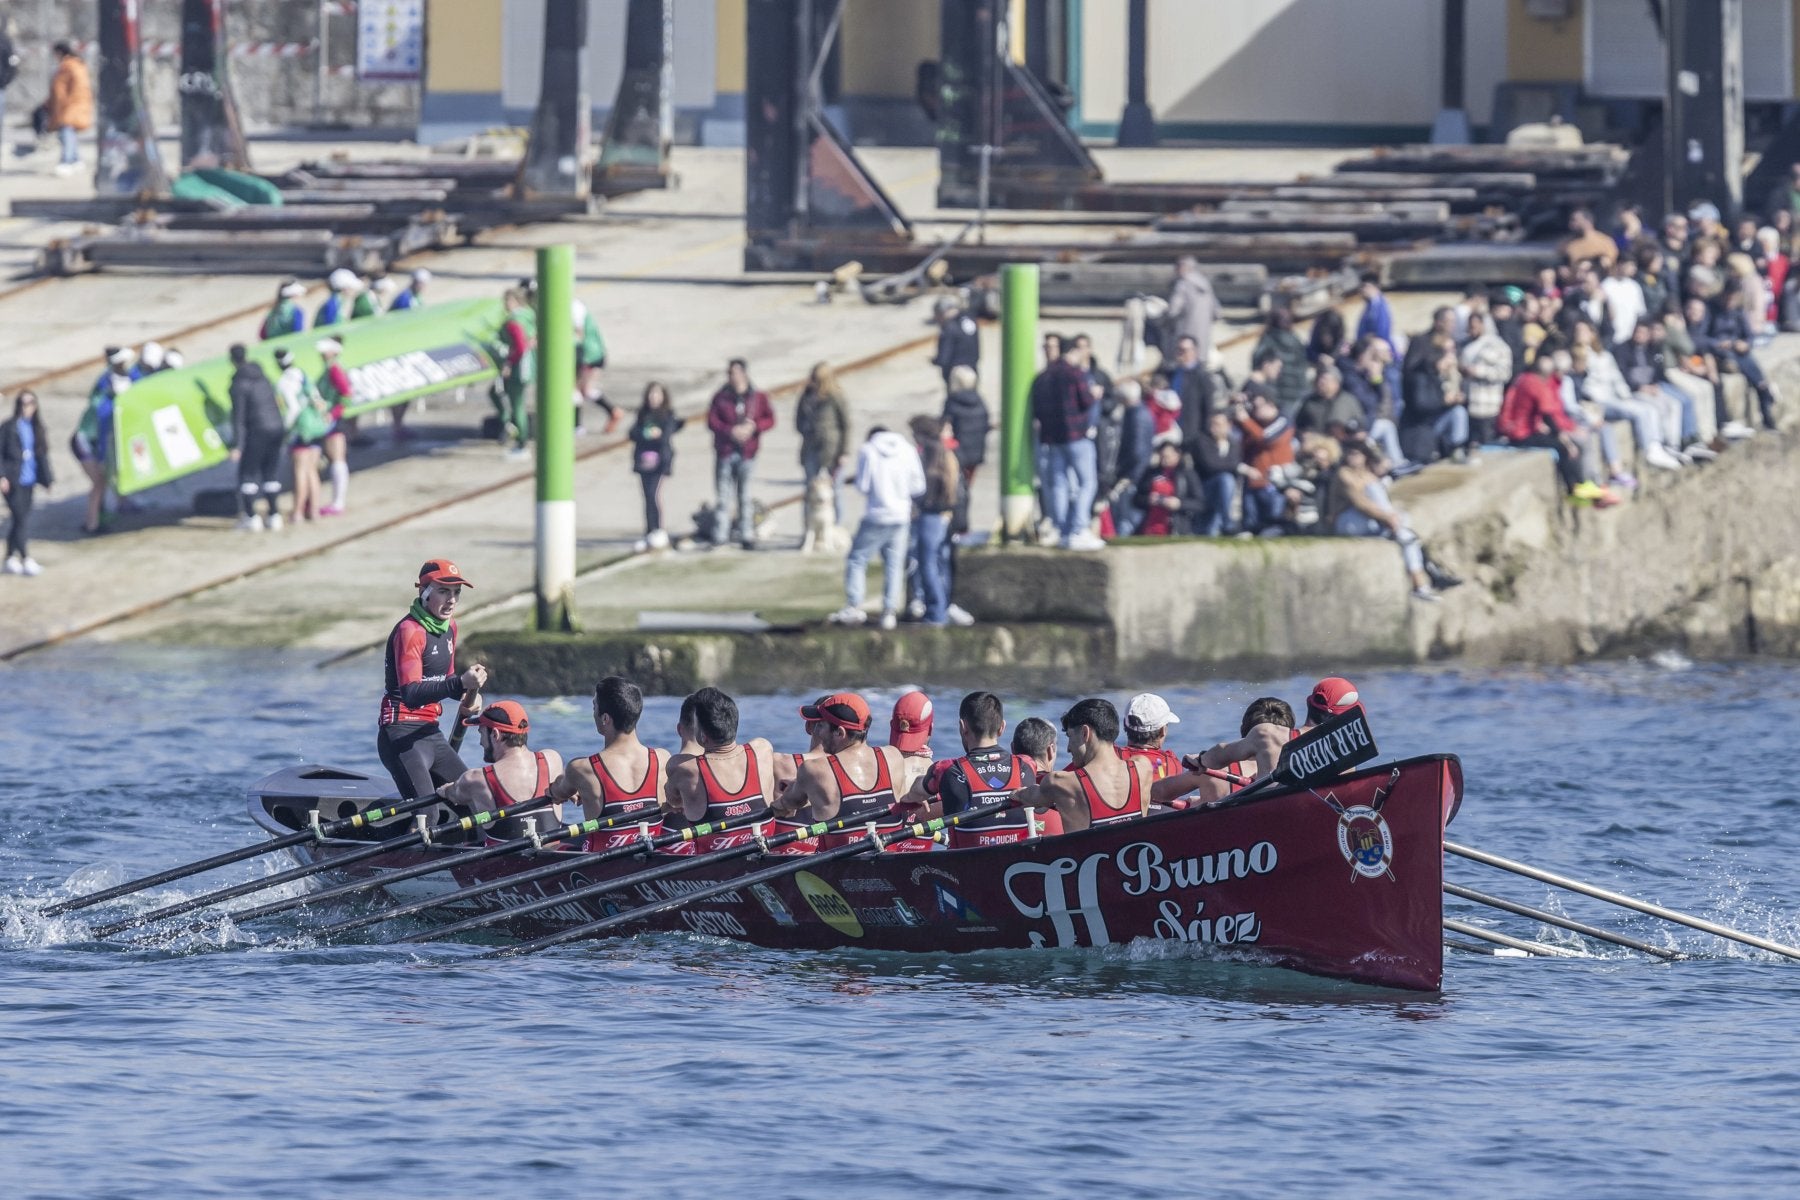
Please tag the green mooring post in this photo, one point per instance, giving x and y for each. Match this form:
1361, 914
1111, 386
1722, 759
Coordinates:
1018, 357
555, 439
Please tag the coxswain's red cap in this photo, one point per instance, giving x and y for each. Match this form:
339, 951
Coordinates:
845, 710
910, 730
441, 570
1331, 697
503, 716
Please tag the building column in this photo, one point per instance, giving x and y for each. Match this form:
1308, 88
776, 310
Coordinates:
1137, 125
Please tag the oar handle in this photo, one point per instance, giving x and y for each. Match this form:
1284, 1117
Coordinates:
874, 842
674, 837
343, 825
387, 846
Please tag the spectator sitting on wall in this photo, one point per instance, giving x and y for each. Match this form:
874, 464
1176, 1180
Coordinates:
1369, 380
1328, 405
1268, 460
1435, 421
1705, 276
1278, 338
1309, 488
1628, 227
1360, 507
1533, 415
1728, 338
1697, 373
1163, 406
1220, 461
1642, 361
1169, 495
1625, 301
1585, 243
1603, 384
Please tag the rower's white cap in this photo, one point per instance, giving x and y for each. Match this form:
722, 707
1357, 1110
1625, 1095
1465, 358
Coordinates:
293, 289
328, 346
343, 280
1149, 712
151, 355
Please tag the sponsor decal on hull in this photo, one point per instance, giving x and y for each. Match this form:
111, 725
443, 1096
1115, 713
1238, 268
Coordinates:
829, 904
1143, 870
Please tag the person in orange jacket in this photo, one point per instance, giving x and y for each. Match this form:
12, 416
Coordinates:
70, 109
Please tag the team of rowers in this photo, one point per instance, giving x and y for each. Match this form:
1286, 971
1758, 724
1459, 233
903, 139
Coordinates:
753, 791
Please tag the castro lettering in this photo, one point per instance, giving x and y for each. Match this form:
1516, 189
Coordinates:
718, 924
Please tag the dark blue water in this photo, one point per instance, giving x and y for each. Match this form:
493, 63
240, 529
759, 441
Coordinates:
675, 1066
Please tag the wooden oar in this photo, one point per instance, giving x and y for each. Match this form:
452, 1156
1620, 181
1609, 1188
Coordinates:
1562, 922
674, 837
387, 846
1540, 949
1623, 901
679, 867
568, 833
346, 825
800, 862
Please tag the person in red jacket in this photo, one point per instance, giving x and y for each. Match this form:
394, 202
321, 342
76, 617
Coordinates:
1532, 414
739, 416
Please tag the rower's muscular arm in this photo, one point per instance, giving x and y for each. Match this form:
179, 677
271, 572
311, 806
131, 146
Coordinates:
577, 783
686, 796
1263, 743
1060, 791
469, 789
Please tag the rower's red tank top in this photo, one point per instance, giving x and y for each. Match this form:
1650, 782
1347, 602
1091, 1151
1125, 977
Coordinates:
745, 809
1102, 813
497, 790
616, 801
874, 803
1163, 763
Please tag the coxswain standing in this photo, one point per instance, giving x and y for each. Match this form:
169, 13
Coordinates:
1100, 787
1147, 721
697, 781
985, 773
514, 772
600, 781
828, 787
421, 675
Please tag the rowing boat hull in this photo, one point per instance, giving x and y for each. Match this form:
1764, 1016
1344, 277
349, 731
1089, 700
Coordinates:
1343, 881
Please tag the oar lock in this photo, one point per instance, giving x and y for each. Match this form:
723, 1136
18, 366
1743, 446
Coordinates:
423, 828
312, 820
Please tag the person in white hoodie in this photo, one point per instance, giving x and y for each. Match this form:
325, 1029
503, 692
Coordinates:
890, 476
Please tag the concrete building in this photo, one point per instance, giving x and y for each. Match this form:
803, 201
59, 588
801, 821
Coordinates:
1279, 70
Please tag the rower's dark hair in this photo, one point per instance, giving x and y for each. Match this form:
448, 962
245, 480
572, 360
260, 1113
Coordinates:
617, 697
1098, 715
711, 714
1267, 710
984, 715
1034, 737
511, 740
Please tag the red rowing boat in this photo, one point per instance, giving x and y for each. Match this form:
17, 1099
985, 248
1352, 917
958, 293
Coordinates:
1343, 879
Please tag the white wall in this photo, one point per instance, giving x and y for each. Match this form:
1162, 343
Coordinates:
1352, 62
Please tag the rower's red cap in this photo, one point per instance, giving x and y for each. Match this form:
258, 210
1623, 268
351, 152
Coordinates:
910, 730
1331, 697
503, 716
441, 570
845, 710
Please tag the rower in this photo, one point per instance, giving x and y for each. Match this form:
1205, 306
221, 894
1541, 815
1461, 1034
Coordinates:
787, 765
514, 772
421, 674
827, 788
1034, 740
1220, 770
595, 780
909, 732
1331, 697
1147, 721
697, 780
983, 774
1100, 788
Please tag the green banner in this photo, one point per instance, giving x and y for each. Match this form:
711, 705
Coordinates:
174, 423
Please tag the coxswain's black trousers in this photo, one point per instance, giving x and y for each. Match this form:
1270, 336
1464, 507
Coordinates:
419, 758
